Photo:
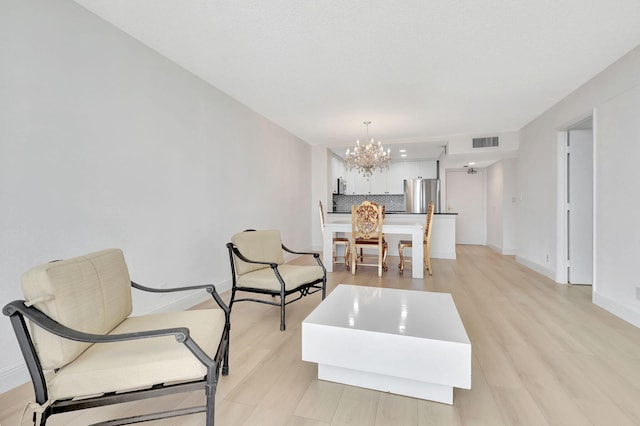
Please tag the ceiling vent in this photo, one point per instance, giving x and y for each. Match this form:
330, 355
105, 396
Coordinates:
485, 142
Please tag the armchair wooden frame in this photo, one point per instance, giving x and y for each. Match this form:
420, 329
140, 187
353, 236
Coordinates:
18, 311
304, 288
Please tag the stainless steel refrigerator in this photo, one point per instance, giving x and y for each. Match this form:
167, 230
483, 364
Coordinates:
418, 193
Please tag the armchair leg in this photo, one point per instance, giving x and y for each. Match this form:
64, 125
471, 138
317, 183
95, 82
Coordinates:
233, 297
211, 399
401, 253
324, 287
282, 324
225, 366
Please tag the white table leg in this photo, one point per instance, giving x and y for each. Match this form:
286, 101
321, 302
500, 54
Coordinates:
327, 250
417, 254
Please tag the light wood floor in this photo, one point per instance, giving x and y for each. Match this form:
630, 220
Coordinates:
542, 354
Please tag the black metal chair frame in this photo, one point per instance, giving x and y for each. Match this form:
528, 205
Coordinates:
304, 289
17, 311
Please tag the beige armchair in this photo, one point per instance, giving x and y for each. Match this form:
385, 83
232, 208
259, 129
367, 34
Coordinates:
257, 266
80, 327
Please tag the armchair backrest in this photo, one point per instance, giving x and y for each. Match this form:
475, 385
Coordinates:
263, 246
90, 293
366, 220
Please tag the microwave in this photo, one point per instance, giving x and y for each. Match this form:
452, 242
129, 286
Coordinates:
342, 186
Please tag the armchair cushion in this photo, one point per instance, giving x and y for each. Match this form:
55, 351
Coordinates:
89, 293
138, 364
265, 246
292, 275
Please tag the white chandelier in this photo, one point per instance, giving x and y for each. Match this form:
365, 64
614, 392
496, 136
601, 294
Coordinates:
367, 158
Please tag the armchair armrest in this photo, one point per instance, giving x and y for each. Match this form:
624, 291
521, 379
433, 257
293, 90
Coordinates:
40, 319
210, 288
181, 334
315, 255
285, 248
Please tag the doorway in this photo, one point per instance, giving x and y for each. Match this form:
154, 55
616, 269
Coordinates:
465, 196
579, 202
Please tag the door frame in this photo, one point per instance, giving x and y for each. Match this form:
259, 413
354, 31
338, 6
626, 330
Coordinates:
562, 274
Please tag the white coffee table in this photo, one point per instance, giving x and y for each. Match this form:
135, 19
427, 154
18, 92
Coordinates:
405, 342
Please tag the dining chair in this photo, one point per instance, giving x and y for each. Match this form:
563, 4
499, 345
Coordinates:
337, 241
403, 244
366, 232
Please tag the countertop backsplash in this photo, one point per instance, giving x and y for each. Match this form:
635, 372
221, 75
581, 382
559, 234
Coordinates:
393, 202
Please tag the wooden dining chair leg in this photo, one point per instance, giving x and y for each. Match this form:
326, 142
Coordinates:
385, 251
347, 254
354, 260
427, 258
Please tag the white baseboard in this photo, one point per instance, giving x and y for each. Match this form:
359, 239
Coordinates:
549, 273
443, 254
15, 376
617, 309
494, 247
502, 251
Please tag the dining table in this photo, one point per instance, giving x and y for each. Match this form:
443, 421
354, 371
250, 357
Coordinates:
415, 229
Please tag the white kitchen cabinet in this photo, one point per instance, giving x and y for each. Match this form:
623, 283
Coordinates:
395, 178
362, 185
427, 169
379, 182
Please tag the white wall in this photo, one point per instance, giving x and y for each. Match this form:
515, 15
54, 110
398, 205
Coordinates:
495, 191
104, 143
510, 205
613, 94
617, 236
501, 205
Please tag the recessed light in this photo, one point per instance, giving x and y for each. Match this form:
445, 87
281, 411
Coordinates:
471, 163
403, 155
403, 150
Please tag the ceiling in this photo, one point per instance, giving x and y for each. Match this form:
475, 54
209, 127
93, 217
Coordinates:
417, 69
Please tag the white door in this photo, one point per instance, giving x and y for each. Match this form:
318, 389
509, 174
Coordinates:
580, 202
465, 196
